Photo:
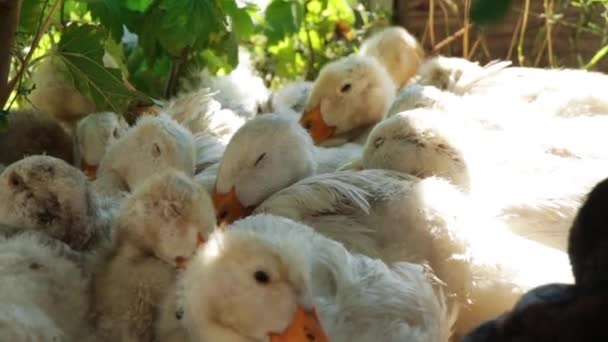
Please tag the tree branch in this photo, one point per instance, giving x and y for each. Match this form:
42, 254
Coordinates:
9, 19
41, 31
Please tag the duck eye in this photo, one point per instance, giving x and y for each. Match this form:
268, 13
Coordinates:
115, 133
259, 159
156, 150
14, 180
261, 277
345, 88
378, 142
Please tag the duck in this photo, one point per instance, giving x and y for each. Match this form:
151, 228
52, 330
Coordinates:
288, 283
269, 144
349, 96
47, 194
94, 133
202, 114
45, 286
397, 50
31, 132
398, 217
55, 94
291, 96
154, 144
159, 227
241, 90
458, 75
563, 312
425, 142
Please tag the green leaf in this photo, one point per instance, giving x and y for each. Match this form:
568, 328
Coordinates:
138, 5
80, 51
188, 23
31, 11
599, 55
241, 20
283, 18
115, 50
112, 15
484, 12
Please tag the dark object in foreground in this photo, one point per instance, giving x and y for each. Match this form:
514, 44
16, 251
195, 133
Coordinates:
558, 312
31, 133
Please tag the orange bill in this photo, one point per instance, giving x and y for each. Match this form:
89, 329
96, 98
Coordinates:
313, 122
200, 240
228, 208
89, 170
305, 327
180, 263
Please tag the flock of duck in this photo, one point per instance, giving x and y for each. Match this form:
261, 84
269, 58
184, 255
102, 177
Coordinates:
396, 198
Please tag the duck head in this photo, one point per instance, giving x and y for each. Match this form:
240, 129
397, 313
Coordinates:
242, 287
397, 50
45, 193
169, 216
267, 154
412, 142
153, 145
94, 133
350, 93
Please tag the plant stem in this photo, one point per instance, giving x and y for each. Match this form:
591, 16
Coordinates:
41, 31
522, 34
9, 19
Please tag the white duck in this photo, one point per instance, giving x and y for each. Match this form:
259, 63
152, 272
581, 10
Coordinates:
94, 133
401, 218
269, 153
457, 75
425, 143
45, 291
396, 49
241, 91
47, 194
349, 95
291, 96
154, 144
159, 228
271, 279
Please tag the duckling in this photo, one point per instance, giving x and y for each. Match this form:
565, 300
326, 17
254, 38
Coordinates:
159, 228
267, 154
55, 95
199, 112
94, 133
271, 279
292, 96
154, 144
396, 49
425, 142
32, 133
561, 312
397, 217
349, 95
45, 289
241, 91
47, 194
458, 75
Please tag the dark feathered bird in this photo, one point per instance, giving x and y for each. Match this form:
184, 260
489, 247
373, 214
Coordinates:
33, 133
558, 312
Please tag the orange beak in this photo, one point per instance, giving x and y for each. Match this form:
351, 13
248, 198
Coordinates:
313, 122
180, 263
200, 240
228, 208
89, 170
305, 327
